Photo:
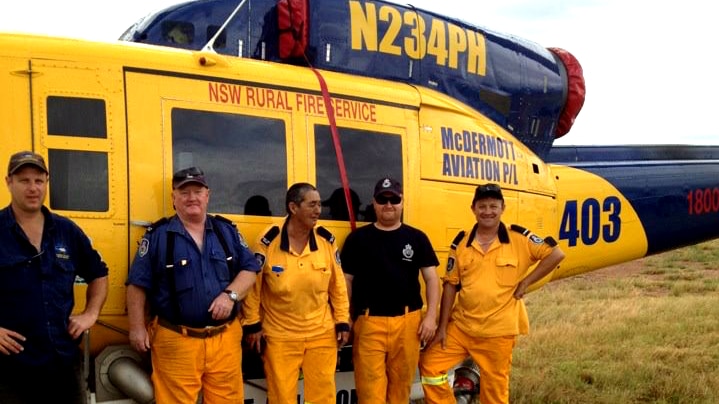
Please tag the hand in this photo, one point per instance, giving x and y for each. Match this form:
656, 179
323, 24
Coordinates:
520, 290
426, 330
140, 339
255, 341
221, 307
439, 336
79, 323
10, 342
342, 338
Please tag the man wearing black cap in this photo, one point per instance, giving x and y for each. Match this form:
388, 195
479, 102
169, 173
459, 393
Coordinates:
41, 253
488, 272
382, 263
192, 269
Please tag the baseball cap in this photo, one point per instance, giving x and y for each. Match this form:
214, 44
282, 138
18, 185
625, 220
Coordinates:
188, 175
488, 190
388, 184
22, 158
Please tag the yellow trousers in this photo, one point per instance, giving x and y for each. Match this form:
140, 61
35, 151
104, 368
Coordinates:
317, 357
492, 355
183, 366
385, 352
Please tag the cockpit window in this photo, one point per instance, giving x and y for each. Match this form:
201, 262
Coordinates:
221, 41
178, 32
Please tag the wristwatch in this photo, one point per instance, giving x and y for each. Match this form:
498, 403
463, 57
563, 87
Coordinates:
232, 294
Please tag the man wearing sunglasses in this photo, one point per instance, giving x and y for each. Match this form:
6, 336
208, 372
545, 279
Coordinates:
382, 262
488, 270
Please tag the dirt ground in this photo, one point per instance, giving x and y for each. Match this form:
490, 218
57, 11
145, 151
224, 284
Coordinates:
643, 268
630, 268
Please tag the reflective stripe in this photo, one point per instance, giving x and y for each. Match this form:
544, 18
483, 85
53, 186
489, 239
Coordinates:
434, 381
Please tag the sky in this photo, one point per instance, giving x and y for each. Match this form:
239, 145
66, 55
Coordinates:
650, 68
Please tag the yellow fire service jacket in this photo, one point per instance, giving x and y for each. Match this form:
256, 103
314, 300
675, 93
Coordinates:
297, 295
485, 305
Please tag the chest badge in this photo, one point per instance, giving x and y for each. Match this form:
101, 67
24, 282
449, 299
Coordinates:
61, 253
408, 252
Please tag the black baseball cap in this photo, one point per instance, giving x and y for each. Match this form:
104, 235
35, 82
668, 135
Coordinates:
23, 158
188, 175
488, 190
388, 184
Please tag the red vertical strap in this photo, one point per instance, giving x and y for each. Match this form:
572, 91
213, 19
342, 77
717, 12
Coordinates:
338, 147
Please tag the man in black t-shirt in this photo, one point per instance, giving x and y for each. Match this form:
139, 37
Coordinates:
382, 262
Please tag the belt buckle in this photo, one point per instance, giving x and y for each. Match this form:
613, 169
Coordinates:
206, 332
211, 331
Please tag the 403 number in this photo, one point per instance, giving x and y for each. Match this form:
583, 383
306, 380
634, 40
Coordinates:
594, 221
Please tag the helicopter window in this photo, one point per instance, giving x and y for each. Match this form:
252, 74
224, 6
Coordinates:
79, 180
178, 32
81, 117
368, 157
242, 156
221, 40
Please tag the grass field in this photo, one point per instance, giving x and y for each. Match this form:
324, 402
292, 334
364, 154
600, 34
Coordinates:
641, 332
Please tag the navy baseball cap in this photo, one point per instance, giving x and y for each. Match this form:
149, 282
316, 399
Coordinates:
23, 158
188, 175
388, 184
488, 191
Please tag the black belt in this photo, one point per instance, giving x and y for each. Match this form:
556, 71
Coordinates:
387, 311
202, 333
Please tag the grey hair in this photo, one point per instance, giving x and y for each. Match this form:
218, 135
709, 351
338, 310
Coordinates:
296, 194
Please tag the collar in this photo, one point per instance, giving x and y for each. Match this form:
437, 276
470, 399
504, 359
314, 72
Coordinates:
176, 225
502, 234
7, 217
285, 239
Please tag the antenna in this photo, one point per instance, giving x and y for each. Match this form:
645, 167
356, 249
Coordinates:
209, 45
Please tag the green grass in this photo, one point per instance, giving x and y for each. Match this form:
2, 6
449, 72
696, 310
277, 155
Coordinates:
648, 333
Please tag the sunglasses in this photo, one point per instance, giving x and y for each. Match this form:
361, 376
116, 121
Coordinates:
383, 199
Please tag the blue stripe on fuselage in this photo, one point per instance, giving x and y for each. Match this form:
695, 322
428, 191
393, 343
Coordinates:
676, 201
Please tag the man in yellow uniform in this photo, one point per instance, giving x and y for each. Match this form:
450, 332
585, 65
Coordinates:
488, 268
299, 303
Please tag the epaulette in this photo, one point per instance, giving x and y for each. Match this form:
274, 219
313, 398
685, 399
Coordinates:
326, 234
457, 239
157, 224
270, 235
549, 240
520, 229
226, 220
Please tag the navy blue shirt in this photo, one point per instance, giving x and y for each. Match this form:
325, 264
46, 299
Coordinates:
36, 289
198, 276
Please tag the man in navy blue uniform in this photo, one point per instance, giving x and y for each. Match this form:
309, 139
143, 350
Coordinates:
41, 253
192, 269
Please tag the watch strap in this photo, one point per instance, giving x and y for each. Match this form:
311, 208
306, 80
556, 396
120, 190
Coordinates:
231, 294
